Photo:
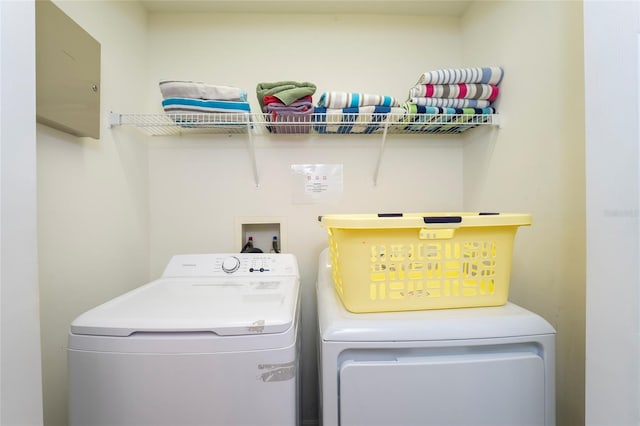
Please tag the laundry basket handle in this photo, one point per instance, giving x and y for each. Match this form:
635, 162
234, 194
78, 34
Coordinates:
442, 219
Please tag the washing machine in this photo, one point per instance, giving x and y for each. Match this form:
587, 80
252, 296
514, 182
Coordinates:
490, 366
214, 341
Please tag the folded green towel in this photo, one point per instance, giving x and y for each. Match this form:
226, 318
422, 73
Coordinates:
287, 91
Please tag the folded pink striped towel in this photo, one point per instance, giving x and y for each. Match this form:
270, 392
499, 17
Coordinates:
456, 91
450, 103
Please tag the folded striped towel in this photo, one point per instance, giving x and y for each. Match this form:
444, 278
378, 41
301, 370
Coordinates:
430, 119
456, 91
194, 106
197, 90
335, 100
451, 103
286, 91
367, 119
411, 108
486, 75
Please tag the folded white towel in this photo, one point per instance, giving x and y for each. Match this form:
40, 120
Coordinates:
197, 90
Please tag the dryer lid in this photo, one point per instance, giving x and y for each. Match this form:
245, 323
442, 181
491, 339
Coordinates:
224, 306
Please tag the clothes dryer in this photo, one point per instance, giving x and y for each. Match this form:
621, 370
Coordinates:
490, 366
214, 341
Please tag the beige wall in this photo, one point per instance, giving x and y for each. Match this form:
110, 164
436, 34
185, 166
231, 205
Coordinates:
112, 212
92, 198
200, 186
536, 164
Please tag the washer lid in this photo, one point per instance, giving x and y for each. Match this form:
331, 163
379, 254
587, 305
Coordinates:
338, 324
224, 306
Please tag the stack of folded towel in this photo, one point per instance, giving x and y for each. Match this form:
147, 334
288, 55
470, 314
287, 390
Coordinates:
349, 112
288, 103
186, 101
469, 91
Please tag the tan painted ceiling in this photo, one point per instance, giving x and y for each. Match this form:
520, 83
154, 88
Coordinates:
395, 7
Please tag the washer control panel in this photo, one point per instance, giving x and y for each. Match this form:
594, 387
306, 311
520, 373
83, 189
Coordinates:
231, 264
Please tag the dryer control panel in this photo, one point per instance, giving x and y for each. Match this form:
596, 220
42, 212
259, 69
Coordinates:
236, 264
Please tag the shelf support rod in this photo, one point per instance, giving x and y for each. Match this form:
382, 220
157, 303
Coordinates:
497, 120
382, 144
252, 151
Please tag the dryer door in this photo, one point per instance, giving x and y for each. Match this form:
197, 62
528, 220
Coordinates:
477, 389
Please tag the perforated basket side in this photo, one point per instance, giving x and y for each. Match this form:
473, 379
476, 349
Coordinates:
395, 269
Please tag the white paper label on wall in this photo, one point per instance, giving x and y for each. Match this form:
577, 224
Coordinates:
316, 183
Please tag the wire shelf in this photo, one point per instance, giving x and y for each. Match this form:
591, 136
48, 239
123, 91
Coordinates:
315, 123
251, 124
176, 124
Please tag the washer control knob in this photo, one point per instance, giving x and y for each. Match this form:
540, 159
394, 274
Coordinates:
230, 264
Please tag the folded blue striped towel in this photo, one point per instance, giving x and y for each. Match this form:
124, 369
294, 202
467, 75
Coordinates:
430, 119
411, 109
194, 106
334, 100
187, 112
485, 75
367, 119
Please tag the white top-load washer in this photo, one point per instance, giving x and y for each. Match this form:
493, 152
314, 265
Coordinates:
490, 366
214, 341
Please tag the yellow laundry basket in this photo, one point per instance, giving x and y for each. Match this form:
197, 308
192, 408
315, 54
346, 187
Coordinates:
416, 261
